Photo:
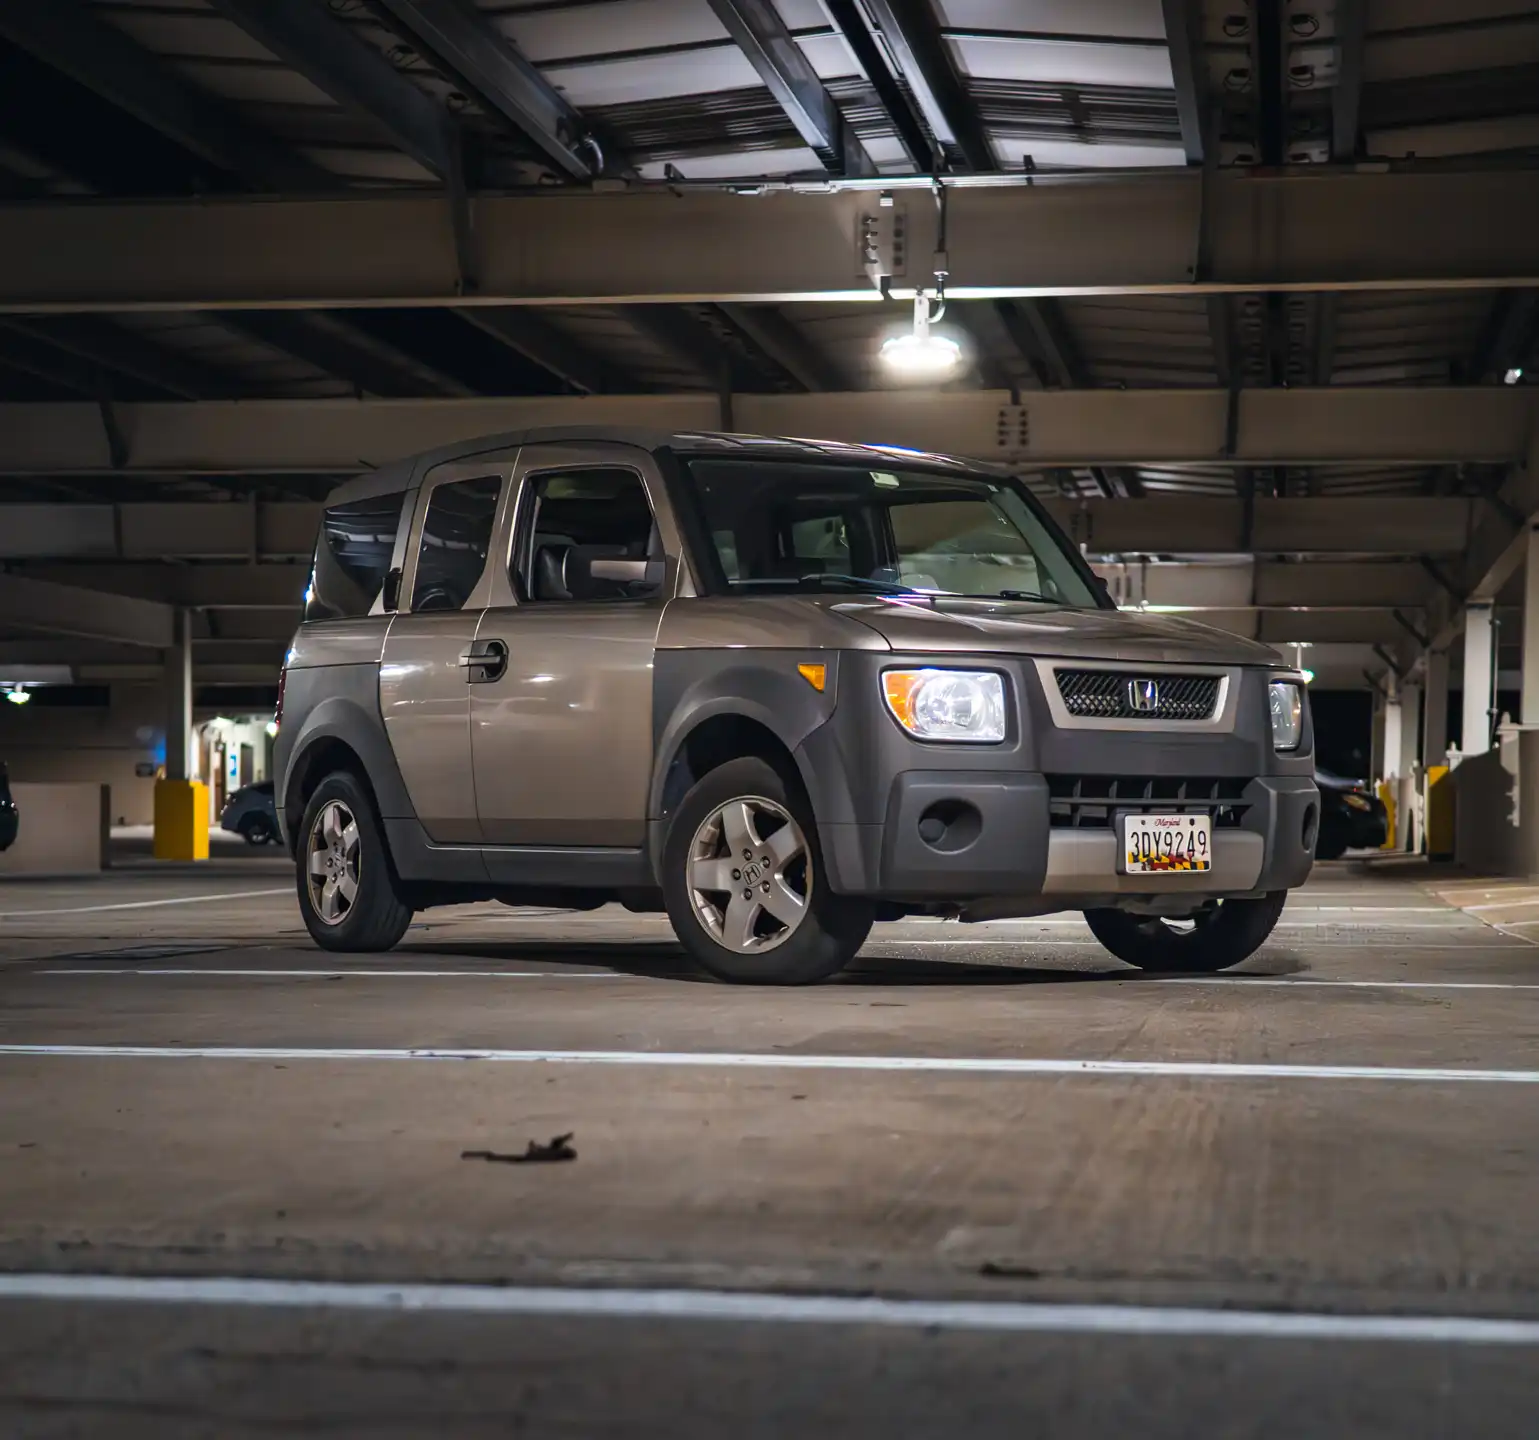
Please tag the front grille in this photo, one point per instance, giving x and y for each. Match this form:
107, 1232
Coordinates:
1111, 695
1088, 802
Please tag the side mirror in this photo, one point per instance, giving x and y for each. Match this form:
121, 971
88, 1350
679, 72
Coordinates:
391, 598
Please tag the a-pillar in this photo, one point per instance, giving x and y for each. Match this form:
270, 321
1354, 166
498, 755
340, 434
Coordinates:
1529, 712
181, 800
1479, 661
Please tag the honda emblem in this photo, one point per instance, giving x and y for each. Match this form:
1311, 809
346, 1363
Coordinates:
1144, 696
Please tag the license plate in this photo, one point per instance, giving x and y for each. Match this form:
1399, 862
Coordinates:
1162, 843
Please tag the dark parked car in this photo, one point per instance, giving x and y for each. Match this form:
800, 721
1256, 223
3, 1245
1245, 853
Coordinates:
1352, 817
252, 813
9, 819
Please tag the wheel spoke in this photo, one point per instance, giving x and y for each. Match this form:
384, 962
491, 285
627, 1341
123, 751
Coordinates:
329, 905
785, 846
737, 923
712, 877
347, 887
783, 903
350, 837
317, 862
330, 824
737, 827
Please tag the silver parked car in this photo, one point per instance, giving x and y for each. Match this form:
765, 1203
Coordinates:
779, 689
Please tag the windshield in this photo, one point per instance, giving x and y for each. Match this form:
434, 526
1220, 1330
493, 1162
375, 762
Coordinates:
787, 526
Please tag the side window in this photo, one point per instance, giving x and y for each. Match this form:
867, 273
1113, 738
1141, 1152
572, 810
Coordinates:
456, 534
588, 535
352, 556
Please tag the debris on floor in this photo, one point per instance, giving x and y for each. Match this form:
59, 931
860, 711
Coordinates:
558, 1148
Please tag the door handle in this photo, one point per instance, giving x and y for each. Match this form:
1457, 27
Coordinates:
488, 657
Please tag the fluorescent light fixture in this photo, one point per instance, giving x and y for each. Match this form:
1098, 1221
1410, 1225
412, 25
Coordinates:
1513, 375
919, 355
271, 727
18, 695
1309, 676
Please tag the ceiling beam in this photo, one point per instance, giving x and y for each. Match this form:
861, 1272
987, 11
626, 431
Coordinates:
209, 586
489, 64
1321, 230
71, 36
1508, 337
524, 330
1411, 425
1183, 19
772, 50
52, 609
1347, 95
124, 352
355, 75
912, 36
849, 22
331, 343
785, 345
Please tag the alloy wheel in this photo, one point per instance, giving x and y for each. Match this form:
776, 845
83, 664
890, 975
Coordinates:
750, 875
332, 863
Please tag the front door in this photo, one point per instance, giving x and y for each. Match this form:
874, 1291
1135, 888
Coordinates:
562, 740
427, 670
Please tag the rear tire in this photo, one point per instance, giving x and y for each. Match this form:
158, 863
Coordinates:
1227, 934
258, 830
743, 881
1330, 847
347, 889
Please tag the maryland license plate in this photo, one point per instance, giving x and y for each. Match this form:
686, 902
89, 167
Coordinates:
1166, 842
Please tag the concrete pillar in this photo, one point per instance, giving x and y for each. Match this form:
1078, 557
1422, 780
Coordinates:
179, 701
1407, 807
1529, 713
1394, 728
1434, 728
181, 800
1376, 741
1479, 660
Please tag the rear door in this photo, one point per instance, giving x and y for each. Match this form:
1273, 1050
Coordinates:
562, 739
429, 665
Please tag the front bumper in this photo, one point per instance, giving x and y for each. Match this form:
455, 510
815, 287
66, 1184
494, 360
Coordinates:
879, 795
1012, 849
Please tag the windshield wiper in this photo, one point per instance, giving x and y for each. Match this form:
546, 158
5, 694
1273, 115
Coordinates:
1022, 595
859, 582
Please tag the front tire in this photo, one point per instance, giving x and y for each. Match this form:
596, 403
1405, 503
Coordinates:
1214, 939
347, 891
744, 885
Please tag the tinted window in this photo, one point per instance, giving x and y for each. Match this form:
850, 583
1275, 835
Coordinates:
577, 516
789, 526
352, 556
456, 534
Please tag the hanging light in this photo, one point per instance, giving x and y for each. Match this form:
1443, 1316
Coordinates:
919, 354
18, 694
1513, 375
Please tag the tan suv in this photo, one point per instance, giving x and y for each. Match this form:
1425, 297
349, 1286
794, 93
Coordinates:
780, 689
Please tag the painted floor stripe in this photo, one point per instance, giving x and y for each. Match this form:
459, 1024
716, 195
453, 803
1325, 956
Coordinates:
751, 1307
1153, 982
87, 969
726, 1060
144, 904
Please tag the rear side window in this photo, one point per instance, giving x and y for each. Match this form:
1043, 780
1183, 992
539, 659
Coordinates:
456, 534
352, 556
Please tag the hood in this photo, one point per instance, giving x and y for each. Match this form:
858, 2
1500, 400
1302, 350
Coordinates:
1019, 628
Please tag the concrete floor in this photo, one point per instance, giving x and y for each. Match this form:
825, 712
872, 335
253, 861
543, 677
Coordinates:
1172, 1207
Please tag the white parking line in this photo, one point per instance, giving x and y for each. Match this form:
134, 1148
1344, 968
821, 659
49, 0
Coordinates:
727, 1060
758, 1307
88, 969
1240, 981
144, 904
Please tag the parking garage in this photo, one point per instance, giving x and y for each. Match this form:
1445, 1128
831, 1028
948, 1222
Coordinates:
1245, 295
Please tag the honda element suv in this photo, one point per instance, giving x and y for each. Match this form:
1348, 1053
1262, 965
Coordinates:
779, 689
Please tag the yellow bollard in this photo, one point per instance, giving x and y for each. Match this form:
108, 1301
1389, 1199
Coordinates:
1387, 795
181, 820
1440, 812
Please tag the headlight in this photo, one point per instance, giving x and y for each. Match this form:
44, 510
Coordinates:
1357, 802
1287, 704
947, 704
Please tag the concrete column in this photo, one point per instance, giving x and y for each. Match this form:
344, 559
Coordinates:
179, 701
181, 801
1407, 808
1434, 728
1529, 712
1376, 741
1478, 661
1394, 728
